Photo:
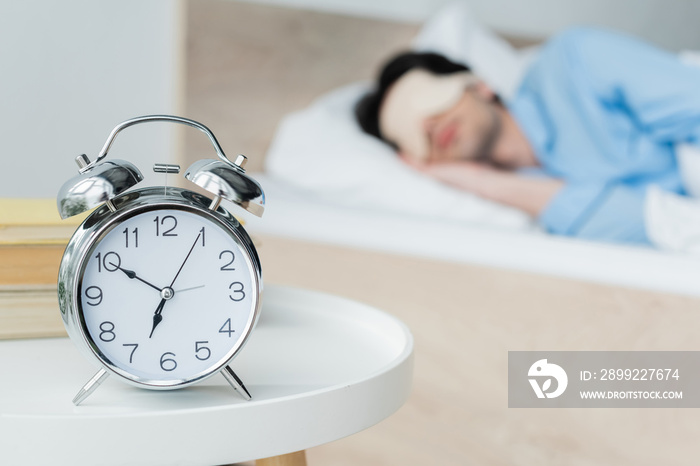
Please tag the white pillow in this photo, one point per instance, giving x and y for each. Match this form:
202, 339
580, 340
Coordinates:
322, 150
455, 33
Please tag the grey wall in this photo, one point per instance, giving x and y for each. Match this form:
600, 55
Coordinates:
69, 72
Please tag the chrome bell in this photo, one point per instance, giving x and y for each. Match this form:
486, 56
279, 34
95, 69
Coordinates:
99, 181
227, 180
96, 184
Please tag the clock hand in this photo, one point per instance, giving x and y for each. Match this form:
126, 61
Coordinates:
188, 289
167, 292
157, 317
183, 262
131, 274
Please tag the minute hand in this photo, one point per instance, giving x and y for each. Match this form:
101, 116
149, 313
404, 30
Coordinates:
187, 257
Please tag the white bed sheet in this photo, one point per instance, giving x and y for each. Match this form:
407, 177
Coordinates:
291, 213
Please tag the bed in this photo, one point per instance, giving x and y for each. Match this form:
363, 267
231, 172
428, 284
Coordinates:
293, 214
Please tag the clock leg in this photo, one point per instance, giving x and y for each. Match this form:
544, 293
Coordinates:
235, 382
90, 387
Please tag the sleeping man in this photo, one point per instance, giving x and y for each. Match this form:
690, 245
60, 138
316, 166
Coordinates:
593, 125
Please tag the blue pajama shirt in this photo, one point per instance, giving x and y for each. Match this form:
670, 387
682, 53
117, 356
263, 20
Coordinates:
603, 112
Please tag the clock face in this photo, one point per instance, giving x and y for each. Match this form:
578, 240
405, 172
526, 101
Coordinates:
167, 296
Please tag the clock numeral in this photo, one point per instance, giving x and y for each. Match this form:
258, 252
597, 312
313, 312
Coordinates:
200, 350
131, 356
170, 362
161, 222
226, 328
107, 331
237, 291
224, 255
110, 261
202, 231
135, 232
96, 295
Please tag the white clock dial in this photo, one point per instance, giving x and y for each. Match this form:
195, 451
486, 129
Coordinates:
167, 296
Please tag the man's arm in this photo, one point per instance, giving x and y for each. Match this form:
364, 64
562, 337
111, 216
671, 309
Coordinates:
619, 106
530, 194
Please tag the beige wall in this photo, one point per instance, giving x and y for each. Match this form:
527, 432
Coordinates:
249, 65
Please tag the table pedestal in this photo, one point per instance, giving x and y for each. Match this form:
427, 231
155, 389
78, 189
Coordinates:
292, 459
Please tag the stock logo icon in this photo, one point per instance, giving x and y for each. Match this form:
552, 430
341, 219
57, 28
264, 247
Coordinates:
542, 373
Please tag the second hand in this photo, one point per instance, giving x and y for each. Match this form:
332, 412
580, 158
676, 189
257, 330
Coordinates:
189, 289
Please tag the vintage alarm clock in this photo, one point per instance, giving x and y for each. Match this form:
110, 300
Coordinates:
160, 286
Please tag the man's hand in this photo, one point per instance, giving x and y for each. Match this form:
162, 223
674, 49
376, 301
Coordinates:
465, 175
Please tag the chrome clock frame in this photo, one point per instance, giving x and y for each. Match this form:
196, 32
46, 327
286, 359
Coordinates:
88, 236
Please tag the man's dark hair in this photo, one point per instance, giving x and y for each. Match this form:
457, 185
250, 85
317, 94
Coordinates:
367, 109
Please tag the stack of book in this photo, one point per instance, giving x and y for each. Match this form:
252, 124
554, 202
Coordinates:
32, 240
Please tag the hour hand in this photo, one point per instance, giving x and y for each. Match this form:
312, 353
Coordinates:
157, 316
132, 275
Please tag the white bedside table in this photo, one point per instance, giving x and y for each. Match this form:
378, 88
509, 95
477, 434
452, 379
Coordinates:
319, 368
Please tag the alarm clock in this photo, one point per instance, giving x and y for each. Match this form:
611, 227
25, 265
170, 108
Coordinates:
160, 286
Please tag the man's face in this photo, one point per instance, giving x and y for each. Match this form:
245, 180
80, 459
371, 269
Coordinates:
439, 118
466, 131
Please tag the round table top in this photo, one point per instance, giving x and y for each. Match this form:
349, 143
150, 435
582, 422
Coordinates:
319, 368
